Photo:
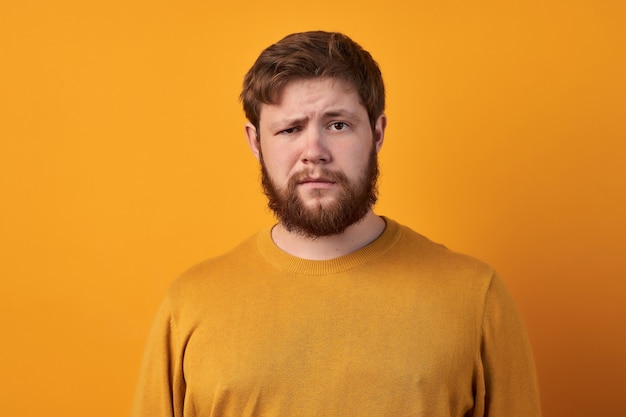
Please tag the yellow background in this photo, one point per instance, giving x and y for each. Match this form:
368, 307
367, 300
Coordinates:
123, 162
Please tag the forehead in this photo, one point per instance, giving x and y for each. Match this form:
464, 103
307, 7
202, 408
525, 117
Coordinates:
336, 84
313, 95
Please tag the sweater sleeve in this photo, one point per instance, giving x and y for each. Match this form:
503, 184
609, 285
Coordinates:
509, 372
161, 387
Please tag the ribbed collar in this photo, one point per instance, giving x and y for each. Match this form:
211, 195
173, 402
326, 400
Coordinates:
284, 261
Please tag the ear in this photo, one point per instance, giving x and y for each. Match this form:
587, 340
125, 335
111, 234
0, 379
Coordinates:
379, 131
253, 141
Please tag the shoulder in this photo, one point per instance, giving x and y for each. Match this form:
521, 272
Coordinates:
435, 269
454, 285
424, 249
217, 273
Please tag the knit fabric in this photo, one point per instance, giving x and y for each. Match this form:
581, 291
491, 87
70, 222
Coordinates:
401, 327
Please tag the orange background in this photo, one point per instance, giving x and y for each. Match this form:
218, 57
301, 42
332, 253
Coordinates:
123, 162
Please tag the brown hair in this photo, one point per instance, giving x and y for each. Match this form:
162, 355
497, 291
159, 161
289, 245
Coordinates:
313, 55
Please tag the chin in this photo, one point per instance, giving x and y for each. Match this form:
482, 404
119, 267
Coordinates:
319, 203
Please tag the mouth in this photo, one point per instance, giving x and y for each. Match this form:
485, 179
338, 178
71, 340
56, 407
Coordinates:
316, 181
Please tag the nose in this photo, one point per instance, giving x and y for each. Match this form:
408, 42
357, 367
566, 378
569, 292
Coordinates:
315, 149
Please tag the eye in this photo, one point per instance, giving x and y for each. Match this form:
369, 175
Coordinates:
338, 126
288, 131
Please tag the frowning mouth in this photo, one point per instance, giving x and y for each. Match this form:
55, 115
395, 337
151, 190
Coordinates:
309, 180
322, 179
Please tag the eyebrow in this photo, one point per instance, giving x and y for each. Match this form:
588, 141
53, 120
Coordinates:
340, 113
288, 122
294, 121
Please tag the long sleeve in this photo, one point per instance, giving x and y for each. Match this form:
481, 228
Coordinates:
161, 387
510, 382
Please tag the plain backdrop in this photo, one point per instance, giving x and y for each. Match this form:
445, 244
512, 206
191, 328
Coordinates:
123, 162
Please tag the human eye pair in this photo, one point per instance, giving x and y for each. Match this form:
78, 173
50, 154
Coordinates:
335, 126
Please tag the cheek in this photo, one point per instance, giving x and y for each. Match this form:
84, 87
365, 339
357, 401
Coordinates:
278, 162
357, 162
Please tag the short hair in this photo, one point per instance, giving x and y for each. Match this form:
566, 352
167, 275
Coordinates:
308, 55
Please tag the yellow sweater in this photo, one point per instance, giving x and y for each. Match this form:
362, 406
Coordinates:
401, 327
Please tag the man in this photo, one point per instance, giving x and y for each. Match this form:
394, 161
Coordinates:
335, 311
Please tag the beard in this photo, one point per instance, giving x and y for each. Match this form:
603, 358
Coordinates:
354, 200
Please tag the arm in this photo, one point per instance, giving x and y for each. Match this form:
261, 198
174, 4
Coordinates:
161, 387
509, 370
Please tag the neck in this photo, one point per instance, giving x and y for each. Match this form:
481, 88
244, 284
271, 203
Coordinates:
324, 248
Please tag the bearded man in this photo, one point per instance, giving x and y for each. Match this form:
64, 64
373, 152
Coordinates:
334, 311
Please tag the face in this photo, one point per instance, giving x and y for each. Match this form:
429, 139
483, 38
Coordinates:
318, 154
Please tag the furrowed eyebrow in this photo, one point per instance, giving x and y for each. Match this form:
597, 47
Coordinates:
340, 113
297, 121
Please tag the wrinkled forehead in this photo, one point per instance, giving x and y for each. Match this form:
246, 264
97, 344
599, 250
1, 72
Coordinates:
313, 94
275, 93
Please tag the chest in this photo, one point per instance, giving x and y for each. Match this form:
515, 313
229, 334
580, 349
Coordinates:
298, 350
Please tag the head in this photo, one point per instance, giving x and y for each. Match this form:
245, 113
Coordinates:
309, 55
301, 76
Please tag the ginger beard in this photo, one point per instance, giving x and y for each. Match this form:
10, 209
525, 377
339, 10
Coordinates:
353, 201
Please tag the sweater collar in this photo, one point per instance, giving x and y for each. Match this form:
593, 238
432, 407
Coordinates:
285, 261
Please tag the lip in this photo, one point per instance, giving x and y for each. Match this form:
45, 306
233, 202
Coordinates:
320, 180
314, 183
